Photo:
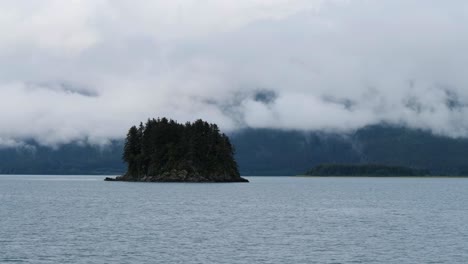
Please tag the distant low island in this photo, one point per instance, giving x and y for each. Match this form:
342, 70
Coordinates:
366, 170
163, 150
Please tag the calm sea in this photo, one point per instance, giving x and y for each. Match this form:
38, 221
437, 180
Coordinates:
82, 219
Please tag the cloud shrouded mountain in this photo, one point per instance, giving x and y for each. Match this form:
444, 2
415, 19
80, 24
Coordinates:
87, 70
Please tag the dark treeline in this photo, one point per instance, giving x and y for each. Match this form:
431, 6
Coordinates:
162, 146
364, 170
266, 152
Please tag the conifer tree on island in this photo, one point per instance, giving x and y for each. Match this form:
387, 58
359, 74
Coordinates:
163, 150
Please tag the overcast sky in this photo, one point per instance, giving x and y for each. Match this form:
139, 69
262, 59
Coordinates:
88, 69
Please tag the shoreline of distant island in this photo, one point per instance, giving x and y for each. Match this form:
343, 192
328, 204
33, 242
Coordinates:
366, 170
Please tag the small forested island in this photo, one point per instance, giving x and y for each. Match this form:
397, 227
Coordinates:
163, 150
366, 170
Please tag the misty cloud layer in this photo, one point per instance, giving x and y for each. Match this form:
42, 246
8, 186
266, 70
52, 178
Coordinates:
85, 70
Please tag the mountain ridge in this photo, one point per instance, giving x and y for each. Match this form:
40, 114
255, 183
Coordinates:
262, 152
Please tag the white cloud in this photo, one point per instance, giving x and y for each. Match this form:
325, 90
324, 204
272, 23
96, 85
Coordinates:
51, 26
87, 70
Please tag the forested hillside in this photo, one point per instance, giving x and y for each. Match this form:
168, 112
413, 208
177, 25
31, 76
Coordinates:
268, 152
68, 159
271, 152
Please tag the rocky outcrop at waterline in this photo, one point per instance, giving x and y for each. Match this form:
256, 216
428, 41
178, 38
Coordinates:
182, 176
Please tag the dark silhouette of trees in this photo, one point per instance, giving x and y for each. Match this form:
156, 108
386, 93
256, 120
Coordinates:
132, 150
161, 146
364, 170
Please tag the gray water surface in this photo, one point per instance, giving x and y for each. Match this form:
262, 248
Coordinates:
82, 219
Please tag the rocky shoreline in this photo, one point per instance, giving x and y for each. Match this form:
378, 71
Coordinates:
180, 176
